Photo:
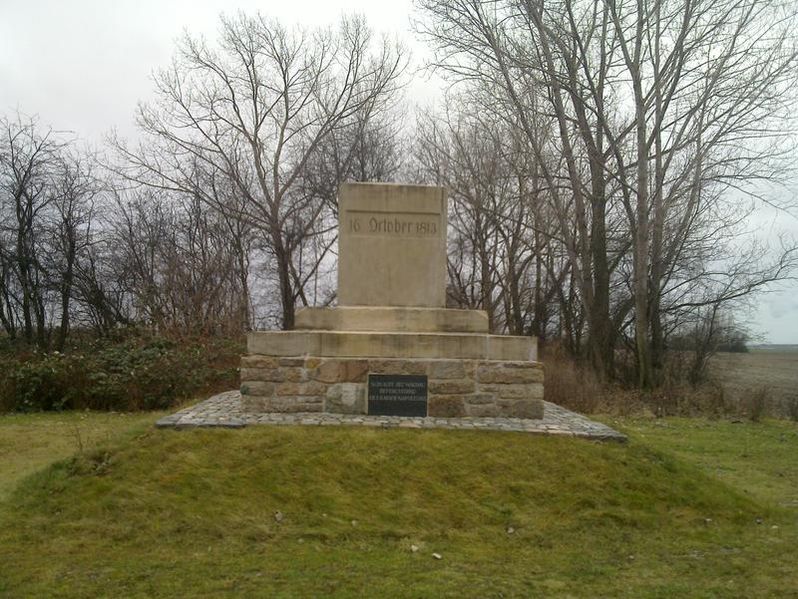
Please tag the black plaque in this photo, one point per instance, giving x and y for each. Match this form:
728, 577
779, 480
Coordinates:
397, 395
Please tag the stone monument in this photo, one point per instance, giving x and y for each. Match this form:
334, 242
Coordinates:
391, 347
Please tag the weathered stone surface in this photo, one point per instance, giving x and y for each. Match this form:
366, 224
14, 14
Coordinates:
445, 406
257, 388
351, 344
514, 390
398, 367
391, 245
284, 343
402, 345
338, 380
258, 361
488, 373
536, 391
346, 398
392, 319
274, 375
482, 411
451, 387
476, 399
355, 371
450, 369
309, 388
295, 374
292, 362
328, 372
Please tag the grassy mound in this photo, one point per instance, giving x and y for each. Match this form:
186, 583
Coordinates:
361, 512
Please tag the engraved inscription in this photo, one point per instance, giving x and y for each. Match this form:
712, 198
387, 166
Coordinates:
393, 225
393, 390
397, 395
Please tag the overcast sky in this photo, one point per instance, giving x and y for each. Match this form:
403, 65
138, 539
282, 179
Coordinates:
84, 65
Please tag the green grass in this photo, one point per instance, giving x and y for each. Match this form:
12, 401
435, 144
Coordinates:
191, 513
758, 460
29, 442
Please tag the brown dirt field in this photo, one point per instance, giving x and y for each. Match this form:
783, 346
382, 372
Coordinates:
770, 371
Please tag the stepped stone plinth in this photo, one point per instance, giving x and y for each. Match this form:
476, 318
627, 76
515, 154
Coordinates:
399, 320
391, 347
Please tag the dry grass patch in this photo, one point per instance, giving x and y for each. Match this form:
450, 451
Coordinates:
759, 376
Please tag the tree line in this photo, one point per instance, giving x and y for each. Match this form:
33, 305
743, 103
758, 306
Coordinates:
600, 157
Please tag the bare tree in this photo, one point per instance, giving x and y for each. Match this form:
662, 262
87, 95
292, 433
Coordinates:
492, 45
661, 110
497, 216
48, 194
177, 262
28, 157
255, 111
76, 188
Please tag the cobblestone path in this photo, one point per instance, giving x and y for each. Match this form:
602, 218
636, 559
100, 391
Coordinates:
224, 410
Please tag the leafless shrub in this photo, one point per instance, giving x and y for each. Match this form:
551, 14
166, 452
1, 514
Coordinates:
791, 404
755, 403
570, 385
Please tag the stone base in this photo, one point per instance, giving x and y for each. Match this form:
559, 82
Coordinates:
456, 388
359, 344
392, 319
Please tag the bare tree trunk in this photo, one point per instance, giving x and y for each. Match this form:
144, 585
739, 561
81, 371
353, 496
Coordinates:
66, 294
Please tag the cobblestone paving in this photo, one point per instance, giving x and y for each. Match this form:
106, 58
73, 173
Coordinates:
224, 410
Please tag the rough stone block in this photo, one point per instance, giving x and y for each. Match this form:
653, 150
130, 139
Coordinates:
443, 406
450, 369
257, 361
483, 388
274, 375
295, 374
355, 371
297, 389
451, 387
511, 390
253, 403
257, 388
483, 411
292, 362
328, 372
536, 391
477, 399
398, 367
346, 398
